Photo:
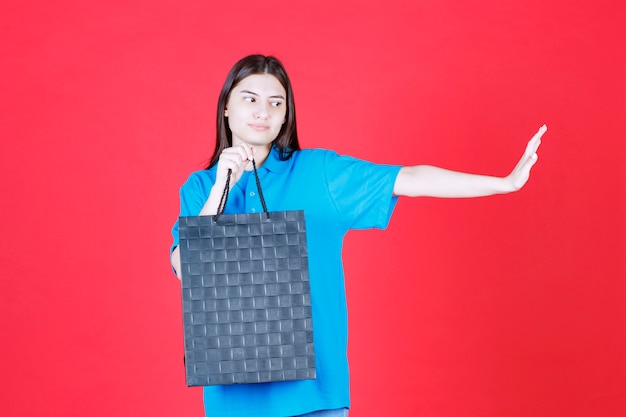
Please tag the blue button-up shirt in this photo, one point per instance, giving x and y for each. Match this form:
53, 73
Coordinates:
337, 193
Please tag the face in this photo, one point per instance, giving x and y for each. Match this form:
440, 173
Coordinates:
256, 110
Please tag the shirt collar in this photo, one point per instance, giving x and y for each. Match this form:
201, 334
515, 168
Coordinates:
273, 163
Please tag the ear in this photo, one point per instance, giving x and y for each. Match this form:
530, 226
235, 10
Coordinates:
225, 112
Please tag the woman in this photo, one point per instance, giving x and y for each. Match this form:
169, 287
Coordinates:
256, 120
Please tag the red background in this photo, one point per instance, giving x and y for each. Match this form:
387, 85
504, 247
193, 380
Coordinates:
502, 306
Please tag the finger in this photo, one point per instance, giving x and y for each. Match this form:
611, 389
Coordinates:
540, 131
537, 136
526, 161
238, 154
228, 163
532, 146
529, 163
535, 141
230, 160
245, 151
229, 166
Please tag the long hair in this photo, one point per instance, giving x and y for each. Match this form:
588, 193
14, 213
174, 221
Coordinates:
287, 139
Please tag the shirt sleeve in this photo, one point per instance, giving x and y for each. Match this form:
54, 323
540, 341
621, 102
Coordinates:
193, 194
361, 191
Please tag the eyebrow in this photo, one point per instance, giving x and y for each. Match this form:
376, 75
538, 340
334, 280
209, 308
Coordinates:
255, 94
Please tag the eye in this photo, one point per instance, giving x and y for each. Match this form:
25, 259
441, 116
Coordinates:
249, 99
276, 103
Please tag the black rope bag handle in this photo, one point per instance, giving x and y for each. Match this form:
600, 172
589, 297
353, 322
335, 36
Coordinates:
224, 198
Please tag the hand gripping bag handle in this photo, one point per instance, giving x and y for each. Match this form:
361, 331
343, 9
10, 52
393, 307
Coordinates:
224, 198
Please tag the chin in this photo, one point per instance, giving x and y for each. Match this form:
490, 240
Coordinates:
260, 142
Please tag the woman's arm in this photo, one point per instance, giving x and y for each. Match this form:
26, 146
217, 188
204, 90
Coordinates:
175, 261
430, 181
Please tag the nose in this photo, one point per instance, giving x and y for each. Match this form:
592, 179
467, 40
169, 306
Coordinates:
262, 112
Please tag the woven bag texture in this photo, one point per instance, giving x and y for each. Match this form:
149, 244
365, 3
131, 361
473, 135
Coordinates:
246, 299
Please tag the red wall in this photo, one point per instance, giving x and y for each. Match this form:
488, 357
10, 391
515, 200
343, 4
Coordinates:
503, 306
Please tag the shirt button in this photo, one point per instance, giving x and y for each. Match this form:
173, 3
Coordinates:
252, 193
253, 210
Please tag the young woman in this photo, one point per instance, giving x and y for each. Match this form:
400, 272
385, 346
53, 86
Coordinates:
256, 120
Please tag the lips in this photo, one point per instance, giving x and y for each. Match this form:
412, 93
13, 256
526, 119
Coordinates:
259, 127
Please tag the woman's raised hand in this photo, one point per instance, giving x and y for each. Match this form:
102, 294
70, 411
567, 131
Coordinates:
520, 174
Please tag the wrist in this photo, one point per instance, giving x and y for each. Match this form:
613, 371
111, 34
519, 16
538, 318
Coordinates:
506, 185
